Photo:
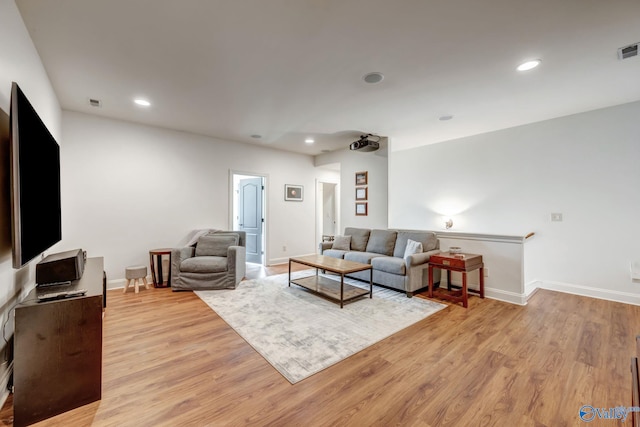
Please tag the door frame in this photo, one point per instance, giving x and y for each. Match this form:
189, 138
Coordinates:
265, 206
319, 206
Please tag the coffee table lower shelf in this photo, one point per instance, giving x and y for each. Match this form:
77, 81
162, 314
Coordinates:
331, 288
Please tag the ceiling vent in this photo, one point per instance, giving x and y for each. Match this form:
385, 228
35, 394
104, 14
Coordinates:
95, 102
628, 51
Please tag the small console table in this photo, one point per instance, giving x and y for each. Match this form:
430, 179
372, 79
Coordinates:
463, 263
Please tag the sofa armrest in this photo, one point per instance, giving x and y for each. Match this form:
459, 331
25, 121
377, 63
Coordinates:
177, 256
421, 258
323, 246
237, 262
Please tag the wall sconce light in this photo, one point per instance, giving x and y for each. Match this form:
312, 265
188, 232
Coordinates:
448, 223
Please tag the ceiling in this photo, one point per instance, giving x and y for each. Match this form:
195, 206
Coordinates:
291, 69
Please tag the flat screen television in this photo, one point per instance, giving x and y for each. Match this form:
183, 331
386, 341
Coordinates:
36, 219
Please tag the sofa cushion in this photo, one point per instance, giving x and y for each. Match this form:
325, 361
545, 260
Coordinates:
413, 247
361, 257
215, 244
334, 253
382, 242
389, 264
204, 264
427, 238
359, 238
342, 242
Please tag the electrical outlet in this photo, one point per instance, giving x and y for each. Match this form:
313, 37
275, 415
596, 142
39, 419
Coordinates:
486, 272
556, 217
284, 248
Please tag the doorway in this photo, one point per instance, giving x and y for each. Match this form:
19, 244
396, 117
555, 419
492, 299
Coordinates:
248, 212
327, 210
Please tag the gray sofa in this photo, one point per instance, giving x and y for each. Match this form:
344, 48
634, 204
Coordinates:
385, 250
216, 261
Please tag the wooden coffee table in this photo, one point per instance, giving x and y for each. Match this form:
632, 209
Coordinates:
340, 292
463, 263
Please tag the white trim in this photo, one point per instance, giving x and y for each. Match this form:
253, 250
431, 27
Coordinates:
483, 236
588, 291
506, 296
531, 288
285, 260
119, 283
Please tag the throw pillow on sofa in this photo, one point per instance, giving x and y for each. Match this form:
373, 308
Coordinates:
413, 247
342, 243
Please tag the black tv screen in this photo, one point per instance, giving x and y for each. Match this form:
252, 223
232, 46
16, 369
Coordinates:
35, 182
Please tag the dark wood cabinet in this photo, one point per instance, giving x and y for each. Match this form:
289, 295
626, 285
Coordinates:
58, 350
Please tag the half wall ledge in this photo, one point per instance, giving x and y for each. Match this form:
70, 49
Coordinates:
505, 261
503, 238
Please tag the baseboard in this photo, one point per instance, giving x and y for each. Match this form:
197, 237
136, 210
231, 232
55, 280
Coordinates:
119, 283
285, 260
588, 291
506, 296
531, 288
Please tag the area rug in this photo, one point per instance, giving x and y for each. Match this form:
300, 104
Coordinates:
301, 333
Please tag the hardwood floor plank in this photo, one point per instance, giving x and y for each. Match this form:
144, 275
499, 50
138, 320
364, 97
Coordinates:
170, 360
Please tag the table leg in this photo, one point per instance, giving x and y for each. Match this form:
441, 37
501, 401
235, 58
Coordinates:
289, 273
481, 282
341, 290
160, 275
464, 289
448, 280
430, 281
153, 270
371, 283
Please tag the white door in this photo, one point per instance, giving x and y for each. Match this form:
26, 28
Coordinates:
250, 218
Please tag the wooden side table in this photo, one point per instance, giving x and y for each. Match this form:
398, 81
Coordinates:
463, 263
157, 254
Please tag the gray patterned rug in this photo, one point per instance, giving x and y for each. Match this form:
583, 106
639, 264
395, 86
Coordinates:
301, 333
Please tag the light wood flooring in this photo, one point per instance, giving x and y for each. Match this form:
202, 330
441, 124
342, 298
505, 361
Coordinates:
169, 360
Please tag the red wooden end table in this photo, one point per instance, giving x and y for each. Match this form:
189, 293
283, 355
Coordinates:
463, 263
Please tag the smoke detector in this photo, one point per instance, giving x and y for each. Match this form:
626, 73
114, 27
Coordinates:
628, 51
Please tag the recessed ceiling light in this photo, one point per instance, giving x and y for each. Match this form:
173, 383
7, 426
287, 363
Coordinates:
142, 102
309, 141
373, 78
256, 136
529, 65
445, 117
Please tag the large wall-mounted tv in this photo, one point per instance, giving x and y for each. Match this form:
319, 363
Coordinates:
35, 182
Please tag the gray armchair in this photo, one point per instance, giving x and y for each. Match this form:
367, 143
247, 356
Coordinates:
216, 261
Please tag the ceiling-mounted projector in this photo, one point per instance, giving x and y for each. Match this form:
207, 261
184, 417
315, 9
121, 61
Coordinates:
366, 142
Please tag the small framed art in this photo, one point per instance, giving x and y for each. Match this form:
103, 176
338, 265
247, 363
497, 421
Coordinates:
361, 193
293, 193
361, 209
362, 178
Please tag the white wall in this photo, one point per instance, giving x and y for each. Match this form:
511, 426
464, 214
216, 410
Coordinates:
19, 62
585, 166
375, 163
129, 188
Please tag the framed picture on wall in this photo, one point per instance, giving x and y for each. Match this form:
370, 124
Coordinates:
293, 193
362, 178
361, 209
361, 193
